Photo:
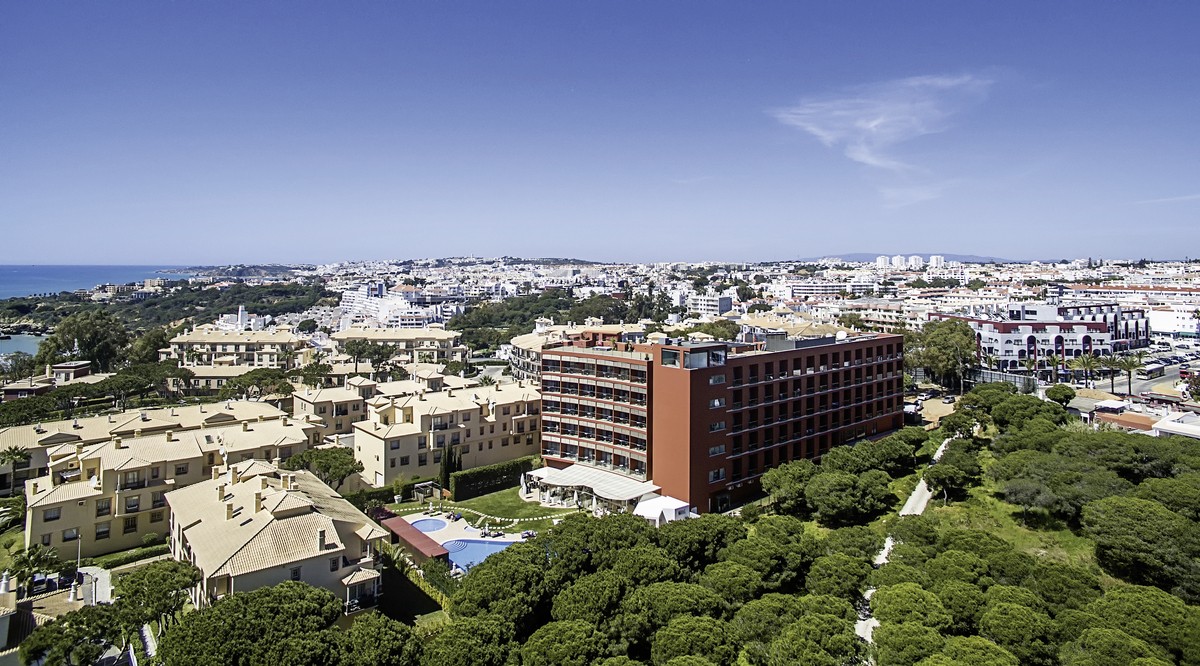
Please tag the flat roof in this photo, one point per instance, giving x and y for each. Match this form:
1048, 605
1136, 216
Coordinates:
421, 542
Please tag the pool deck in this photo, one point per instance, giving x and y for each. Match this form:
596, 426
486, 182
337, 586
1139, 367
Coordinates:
458, 529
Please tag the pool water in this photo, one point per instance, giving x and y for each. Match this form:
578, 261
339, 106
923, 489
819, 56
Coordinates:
429, 524
466, 553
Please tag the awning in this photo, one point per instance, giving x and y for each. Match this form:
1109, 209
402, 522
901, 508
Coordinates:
603, 484
360, 576
416, 539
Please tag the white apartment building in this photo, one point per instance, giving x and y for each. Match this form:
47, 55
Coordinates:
1177, 321
711, 306
1028, 330
898, 261
915, 263
882, 262
937, 261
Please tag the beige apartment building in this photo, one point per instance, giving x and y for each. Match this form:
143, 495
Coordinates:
334, 411
104, 497
405, 436
434, 344
254, 525
215, 355
39, 438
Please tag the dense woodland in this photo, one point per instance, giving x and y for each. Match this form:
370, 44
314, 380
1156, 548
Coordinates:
182, 301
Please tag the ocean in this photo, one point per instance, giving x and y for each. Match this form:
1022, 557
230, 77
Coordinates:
20, 343
42, 279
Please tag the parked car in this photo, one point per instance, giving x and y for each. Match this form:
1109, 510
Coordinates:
949, 400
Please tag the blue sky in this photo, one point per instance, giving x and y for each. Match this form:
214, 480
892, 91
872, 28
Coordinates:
216, 132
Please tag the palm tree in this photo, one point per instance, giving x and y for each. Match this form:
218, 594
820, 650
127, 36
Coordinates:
1031, 365
1054, 362
1129, 364
11, 456
1088, 364
33, 560
990, 360
1113, 365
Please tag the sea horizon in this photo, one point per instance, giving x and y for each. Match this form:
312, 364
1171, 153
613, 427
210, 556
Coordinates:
19, 280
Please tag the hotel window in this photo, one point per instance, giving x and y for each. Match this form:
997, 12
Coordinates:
714, 427
51, 515
716, 402
716, 475
404, 461
46, 539
156, 516
716, 379
295, 574
181, 469
333, 564
421, 442
154, 472
392, 462
102, 530
103, 507
718, 450
130, 525
422, 460
70, 534
394, 444
133, 504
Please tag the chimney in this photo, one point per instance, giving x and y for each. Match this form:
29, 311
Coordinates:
321, 539
449, 393
261, 418
33, 488
220, 492
245, 426
229, 511
286, 421
137, 432
117, 443
110, 418
264, 482
257, 502
170, 435
216, 473
79, 449
172, 411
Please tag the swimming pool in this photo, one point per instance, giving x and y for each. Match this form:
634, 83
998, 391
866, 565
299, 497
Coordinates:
429, 524
467, 553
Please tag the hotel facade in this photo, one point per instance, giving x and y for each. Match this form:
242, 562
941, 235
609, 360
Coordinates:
704, 421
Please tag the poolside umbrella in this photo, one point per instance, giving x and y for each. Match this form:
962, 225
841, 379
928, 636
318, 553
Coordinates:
576, 497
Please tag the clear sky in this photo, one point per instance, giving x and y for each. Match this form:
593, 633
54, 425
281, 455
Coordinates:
214, 132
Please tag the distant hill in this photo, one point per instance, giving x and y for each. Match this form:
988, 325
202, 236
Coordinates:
870, 256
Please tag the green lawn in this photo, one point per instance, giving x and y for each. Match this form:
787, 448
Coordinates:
505, 504
982, 511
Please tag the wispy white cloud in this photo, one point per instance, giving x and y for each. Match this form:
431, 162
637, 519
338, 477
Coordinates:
1186, 197
867, 122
